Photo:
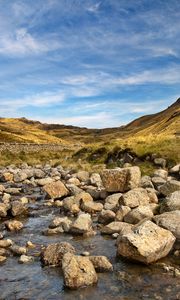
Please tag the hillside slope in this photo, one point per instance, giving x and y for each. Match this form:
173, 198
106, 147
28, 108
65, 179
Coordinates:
18, 130
21, 130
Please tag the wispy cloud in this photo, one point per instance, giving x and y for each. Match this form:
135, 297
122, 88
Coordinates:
94, 8
23, 43
89, 62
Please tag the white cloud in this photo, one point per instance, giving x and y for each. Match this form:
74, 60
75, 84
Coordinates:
94, 8
23, 43
97, 120
38, 100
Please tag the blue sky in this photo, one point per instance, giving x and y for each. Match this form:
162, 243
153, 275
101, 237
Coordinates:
86, 62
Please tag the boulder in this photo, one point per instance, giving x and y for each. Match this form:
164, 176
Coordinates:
158, 181
2, 258
135, 197
91, 207
6, 198
83, 176
74, 181
96, 180
93, 191
146, 182
13, 191
160, 162
44, 181
115, 227
52, 231
106, 216
74, 190
146, 243
82, 224
112, 202
171, 203
122, 212
2, 188
71, 204
161, 173
78, 271
175, 169
169, 187
7, 176
18, 208
56, 189
18, 250
62, 222
5, 243
121, 179
3, 210
14, 225
83, 197
101, 263
53, 253
152, 193
137, 214
24, 259
171, 221
20, 176
38, 173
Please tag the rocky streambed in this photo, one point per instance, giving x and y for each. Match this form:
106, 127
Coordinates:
67, 234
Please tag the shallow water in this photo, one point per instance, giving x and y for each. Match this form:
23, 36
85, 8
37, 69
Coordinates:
32, 281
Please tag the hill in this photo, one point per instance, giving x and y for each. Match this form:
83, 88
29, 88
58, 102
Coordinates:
157, 133
166, 122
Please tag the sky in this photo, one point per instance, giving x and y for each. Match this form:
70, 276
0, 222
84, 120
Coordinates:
90, 63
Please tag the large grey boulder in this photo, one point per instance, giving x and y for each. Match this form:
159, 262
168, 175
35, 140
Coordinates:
146, 243
121, 179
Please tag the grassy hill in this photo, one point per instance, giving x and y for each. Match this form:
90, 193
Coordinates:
157, 133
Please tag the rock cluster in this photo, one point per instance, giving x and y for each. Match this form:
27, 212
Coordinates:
142, 213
